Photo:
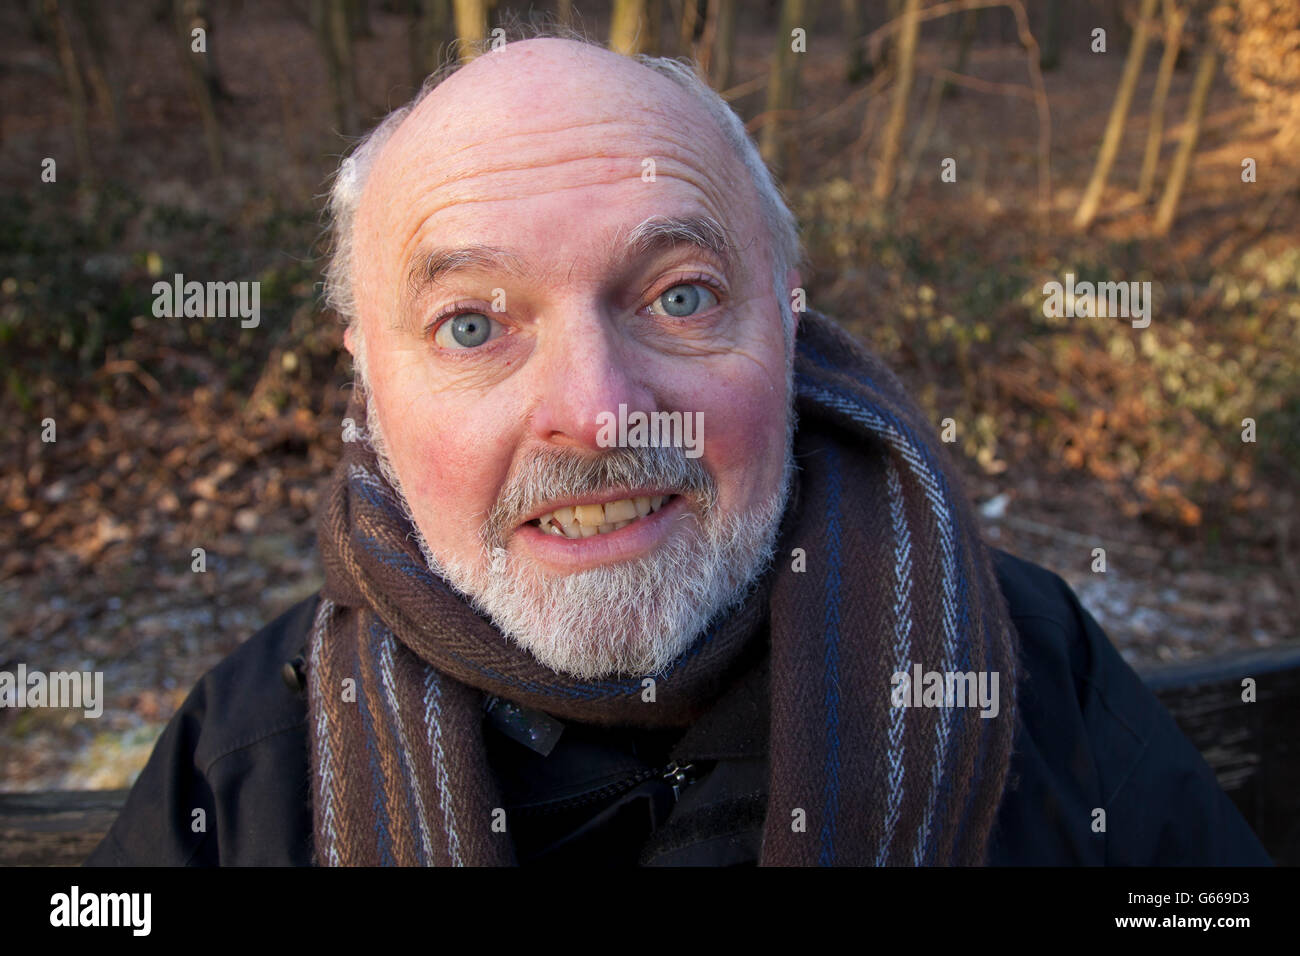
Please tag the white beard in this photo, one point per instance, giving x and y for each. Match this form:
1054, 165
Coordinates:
632, 617
628, 618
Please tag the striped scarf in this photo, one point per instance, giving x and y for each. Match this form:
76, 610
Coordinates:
893, 574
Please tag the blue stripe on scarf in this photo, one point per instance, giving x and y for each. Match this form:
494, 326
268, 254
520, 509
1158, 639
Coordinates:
979, 766
979, 756
399, 560
374, 496
831, 669
382, 822
945, 789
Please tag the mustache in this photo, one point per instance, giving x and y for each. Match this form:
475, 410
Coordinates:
544, 475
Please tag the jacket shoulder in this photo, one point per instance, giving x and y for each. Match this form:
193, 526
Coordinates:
1093, 737
245, 697
235, 750
1033, 591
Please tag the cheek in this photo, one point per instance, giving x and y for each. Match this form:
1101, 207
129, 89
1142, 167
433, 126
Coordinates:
455, 463
452, 463
744, 432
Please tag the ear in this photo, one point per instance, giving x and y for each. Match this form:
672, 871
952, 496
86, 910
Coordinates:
349, 338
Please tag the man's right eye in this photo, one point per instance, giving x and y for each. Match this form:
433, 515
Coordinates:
468, 330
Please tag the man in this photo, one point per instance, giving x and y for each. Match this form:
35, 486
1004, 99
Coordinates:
546, 639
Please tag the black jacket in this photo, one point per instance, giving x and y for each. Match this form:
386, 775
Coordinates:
1090, 735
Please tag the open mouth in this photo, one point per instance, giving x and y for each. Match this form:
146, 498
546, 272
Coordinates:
585, 521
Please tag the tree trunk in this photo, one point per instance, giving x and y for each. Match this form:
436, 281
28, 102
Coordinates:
1049, 58
107, 91
857, 66
429, 35
1120, 31
359, 19
882, 55
724, 44
939, 88
706, 32
893, 137
199, 15
1174, 19
335, 36
969, 24
782, 86
688, 29
628, 27
76, 90
654, 14
471, 27
1191, 132
188, 17
1087, 210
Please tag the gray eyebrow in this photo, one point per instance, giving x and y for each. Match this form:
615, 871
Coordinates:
425, 270
663, 232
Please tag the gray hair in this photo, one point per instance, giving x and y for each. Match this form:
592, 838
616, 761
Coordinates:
350, 179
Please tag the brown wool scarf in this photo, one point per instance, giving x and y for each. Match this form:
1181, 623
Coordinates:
896, 575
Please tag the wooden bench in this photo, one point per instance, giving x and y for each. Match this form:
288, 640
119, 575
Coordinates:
1254, 749
55, 828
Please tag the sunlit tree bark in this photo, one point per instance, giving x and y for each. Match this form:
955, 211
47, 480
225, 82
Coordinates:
1091, 201
892, 143
1168, 208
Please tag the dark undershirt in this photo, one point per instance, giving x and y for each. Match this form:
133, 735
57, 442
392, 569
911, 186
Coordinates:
593, 801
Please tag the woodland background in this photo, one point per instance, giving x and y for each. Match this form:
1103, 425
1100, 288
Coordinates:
1073, 433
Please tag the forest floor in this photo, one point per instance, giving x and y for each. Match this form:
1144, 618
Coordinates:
1072, 434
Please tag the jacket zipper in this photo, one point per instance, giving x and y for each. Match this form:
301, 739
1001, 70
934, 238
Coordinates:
677, 775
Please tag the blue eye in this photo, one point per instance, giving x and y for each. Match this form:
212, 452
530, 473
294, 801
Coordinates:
468, 330
684, 300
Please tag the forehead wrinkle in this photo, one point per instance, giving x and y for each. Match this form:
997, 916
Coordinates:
495, 135
476, 197
412, 154
665, 153
713, 200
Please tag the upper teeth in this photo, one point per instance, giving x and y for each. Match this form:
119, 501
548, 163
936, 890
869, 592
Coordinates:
583, 521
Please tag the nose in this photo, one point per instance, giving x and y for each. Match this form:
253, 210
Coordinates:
584, 367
